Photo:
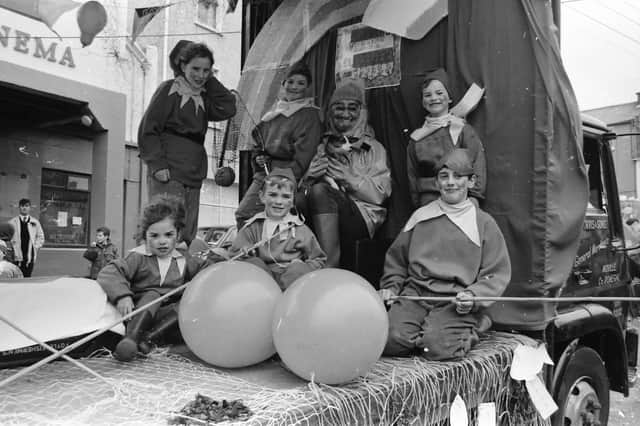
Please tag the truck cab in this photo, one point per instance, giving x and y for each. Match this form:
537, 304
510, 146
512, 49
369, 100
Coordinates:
590, 343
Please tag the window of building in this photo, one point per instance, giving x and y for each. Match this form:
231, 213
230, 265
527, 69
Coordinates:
207, 14
64, 208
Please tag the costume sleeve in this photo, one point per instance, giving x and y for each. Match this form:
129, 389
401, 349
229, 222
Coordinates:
495, 268
396, 263
314, 256
115, 278
306, 137
195, 264
152, 151
91, 254
374, 183
110, 254
221, 104
39, 242
479, 163
247, 237
411, 174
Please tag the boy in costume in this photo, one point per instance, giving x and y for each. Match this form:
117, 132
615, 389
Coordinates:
291, 250
447, 248
286, 137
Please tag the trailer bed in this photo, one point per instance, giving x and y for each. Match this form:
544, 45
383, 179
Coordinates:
147, 391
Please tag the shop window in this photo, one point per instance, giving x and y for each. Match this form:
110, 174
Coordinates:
64, 208
207, 14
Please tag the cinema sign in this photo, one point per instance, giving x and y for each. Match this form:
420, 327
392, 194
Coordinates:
24, 43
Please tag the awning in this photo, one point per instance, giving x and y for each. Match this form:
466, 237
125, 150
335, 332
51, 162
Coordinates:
411, 19
24, 107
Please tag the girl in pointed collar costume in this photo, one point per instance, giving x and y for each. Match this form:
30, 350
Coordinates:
291, 249
172, 130
286, 137
441, 133
148, 271
353, 208
447, 248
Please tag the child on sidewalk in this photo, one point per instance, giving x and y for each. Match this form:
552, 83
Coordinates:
101, 251
292, 250
149, 271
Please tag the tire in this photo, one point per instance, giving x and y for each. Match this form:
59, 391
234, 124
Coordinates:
583, 394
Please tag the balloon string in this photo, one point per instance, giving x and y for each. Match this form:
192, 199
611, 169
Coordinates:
67, 349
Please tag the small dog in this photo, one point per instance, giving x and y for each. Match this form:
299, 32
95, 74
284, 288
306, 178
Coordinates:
337, 152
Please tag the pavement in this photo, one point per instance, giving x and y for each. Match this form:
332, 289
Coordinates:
626, 411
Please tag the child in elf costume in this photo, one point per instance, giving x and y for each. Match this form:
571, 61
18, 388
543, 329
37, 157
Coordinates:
172, 131
441, 133
447, 248
147, 272
286, 137
291, 249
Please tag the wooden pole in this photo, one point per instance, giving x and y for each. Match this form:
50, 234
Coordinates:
521, 299
53, 350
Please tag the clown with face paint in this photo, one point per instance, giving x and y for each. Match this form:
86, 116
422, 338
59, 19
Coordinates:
351, 209
441, 133
172, 130
447, 248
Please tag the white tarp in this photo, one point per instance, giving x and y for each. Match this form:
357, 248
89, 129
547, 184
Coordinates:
412, 19
53, 309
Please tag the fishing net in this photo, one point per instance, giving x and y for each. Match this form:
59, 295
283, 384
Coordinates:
149, 391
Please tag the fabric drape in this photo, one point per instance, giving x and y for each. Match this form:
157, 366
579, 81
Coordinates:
530, 126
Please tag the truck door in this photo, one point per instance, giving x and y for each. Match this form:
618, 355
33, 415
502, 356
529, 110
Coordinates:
600, 267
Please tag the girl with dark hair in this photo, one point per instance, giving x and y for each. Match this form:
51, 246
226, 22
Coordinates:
172, 130
149, 271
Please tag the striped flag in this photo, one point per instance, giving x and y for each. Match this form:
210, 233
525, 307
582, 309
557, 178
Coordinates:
142, 16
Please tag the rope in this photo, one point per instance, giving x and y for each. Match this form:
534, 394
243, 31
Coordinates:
520, 299
67, 349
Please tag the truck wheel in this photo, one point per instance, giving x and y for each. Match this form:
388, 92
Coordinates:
583, 395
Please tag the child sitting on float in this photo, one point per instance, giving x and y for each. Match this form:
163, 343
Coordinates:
147, 272
291, 249
286, 137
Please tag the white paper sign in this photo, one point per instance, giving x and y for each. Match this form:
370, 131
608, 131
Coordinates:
62, 219
458, 412
540, 397
76, 220
487, 414
528, 361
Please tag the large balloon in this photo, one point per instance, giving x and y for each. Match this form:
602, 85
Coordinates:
330, 326
226, 312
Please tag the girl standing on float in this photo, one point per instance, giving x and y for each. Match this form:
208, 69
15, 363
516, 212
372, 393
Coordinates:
440, 134
172, 131
287, 137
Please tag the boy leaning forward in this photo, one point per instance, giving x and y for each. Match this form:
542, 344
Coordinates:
448, 247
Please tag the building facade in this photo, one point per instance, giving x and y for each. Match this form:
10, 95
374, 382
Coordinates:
70, 115
624, 118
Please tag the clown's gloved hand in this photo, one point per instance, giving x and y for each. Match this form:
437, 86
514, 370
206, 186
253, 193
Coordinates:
464, 302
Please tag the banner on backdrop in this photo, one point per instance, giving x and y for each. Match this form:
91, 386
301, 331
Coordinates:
368, 53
